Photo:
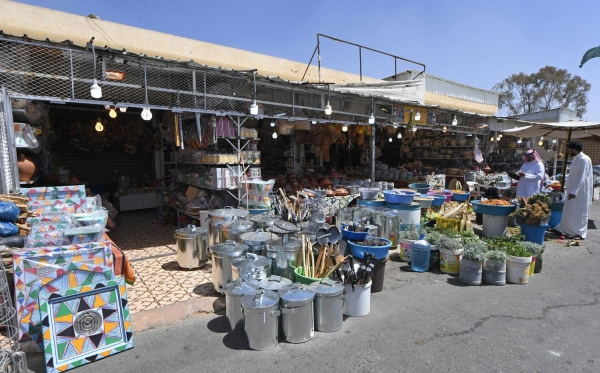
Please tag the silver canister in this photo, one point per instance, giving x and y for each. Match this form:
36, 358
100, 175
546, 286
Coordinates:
223, 255
329, 305
264, 221
232, 230
251, 266
297, 314
274, 283
284, 257
388, 223
222, 216
261, 319
256, 241
233, 301
192, 246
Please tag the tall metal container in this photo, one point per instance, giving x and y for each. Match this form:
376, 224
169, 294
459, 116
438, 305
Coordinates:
388, 223
233, 301
329, 305
297, 314
256, 241
223, 255
261, 319
234, 229
222, 216
284, 256
192, 246
251, 266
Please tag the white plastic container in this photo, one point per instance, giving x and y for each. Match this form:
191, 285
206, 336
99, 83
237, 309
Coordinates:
517, 269
495, 225
358, 302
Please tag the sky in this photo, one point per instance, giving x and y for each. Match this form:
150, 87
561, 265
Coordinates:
474, 42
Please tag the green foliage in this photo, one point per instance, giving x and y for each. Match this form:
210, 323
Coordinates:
449, 243
503, 242
518, 250
410, 234
433, 237
497, 255
475, 250
539, 197
533, 248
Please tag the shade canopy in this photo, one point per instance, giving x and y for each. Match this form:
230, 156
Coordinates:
558, 130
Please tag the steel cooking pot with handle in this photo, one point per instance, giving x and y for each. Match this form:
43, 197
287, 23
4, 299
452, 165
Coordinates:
251, 266
192, 246
223, 255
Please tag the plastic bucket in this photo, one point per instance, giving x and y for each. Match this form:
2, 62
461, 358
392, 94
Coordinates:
409, 214
406, 249
517, 269
378, 274
555, 217
494, 225
470, 272
450, 261
534, 233
358, 302
494, 272
532, 266
406, 227
378, 205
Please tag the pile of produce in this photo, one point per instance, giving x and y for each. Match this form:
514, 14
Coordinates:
495, 202
533, 210
371, 242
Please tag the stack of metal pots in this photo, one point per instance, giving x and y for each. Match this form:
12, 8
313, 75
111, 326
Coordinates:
223, 255
224, 216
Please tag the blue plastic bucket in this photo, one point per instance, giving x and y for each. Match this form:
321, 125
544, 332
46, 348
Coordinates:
555, 217
405, 227
378, 205
534, 233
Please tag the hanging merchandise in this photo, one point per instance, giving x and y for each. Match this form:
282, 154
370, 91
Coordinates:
477, 153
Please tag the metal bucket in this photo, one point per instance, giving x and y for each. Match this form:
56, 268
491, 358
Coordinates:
232, 230
233, 301
297, 314
284, 257
256, 241
328, 305
223, 255
261, 319
388, 223
222, 216
192, 246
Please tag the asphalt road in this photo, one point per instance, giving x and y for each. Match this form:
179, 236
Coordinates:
420, 322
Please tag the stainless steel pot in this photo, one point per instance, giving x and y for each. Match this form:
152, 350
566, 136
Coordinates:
192, 246
251, 266
345, 215
275, 283
222, 216
388, 223
232, 230
223, 255
261, 319
264, 221
364, 214
233, 301
284, 257
297, 314
256, 241
329, 305
122, 181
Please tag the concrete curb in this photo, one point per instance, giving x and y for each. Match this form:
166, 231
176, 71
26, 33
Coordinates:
174, 313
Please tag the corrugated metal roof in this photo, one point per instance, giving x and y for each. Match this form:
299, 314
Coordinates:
552, 115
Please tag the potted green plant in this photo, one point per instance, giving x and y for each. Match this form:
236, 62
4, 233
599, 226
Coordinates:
407, 238
450, 250
494, 267
517, 264
433, 238
471, 262
535, 250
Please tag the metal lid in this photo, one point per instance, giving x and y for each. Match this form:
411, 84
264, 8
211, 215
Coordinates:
291, 245
258, 237
274, 283
191, 230
229, 212
241, 225
297, 295
327, 287
250, 261
260, 299
228, 248
264, 218
241, 286
286, 226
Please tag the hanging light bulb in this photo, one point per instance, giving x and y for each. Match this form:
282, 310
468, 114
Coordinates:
444, 129
418, 116
345, 128
253, 108
390, 139
372, 119
274, 135
554, 141
520, 140
500, 136
314, 121
122, 109
112, 113
414, 128
399, 135
492, 139
273, 124
540, 143
454, 120
541, 137
146, 114
328, 109
99, 127
395, 125
96, 90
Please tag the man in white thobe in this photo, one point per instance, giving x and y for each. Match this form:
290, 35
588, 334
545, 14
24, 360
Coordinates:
532, 173
579, 186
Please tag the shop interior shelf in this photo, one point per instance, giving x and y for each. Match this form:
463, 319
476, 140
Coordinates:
205, 187
442, 158
182, 211
220, 164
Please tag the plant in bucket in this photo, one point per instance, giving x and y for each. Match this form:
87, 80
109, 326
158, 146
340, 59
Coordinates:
450, 250
535, 250
406, 239
434, 255
517, 264
471, 262
533, 216
494, 267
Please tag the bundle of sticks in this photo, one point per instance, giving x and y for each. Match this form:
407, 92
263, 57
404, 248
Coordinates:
328, 260
21, 203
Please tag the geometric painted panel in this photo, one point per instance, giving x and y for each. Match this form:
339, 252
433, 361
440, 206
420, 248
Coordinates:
40, 266
63, 198
85, 324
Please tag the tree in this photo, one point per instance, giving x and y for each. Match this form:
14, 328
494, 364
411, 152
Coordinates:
546, 89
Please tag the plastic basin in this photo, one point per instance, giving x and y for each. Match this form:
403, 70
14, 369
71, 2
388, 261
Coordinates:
425, 201
420, 187
369, 193
492, 210
406, 198
460, 197
380, 252
438, 199
349, 235
447, 194
298, 272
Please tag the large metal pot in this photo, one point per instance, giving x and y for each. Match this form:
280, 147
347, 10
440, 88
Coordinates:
192, 246
388, 223
364, 215
256, 241
232, 230
297, 314
233, 301
251, 266
264, 221
284, 257
261, 319
329, 305
275, 283
345, 215
222, 216
223, 255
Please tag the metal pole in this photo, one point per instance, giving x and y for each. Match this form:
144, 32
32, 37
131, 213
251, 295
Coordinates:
360, 61
372, 167
319, 57
564, 166
555, 159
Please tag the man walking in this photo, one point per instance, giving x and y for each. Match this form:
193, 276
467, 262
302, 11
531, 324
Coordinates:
579, 185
